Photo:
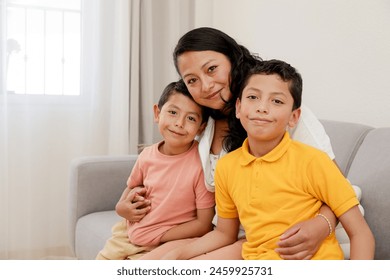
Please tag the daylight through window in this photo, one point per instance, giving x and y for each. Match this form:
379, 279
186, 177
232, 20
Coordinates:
43, 47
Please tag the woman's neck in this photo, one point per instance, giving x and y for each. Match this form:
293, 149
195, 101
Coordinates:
220, 131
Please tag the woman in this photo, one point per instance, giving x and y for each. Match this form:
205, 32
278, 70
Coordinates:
213, 65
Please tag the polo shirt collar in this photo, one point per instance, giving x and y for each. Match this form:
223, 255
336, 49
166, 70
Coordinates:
272, 156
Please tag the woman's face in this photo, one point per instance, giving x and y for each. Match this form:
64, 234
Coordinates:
207, 76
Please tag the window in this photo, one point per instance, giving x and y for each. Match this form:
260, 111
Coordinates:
43, 47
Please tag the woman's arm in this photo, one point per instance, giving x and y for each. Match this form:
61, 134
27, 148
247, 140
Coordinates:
224, 234
302, 240
198, 227
360, 235
132, 205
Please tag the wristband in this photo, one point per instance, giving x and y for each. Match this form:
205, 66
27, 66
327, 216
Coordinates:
327, 220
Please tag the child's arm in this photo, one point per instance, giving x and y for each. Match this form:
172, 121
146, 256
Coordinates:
198, 227
361, 238
327, 212
132, 205
224, 234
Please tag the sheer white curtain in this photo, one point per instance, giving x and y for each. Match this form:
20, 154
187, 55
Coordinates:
107, 28
126, 62
3, 141
41, 135
162, 24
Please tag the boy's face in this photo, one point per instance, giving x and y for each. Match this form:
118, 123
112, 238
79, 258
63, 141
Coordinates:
265, 109
179, 121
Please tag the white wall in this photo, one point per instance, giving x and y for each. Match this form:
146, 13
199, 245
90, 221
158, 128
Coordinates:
341, 48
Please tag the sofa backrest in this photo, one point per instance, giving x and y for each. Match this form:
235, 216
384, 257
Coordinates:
346, 139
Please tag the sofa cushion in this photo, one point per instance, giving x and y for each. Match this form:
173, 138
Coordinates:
92, 231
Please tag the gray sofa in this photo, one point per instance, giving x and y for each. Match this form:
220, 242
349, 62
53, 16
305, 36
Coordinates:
362, 153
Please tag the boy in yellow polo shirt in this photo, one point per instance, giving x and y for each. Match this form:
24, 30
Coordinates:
273, 182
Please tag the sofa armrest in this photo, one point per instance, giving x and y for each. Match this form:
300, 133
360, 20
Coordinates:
370, 171
96, 184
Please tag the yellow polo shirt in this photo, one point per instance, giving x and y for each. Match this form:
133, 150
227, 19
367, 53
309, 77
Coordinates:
271, 193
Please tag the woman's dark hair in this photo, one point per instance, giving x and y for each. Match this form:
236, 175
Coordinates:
210, 39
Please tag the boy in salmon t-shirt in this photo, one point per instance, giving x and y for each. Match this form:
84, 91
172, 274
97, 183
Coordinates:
171, 174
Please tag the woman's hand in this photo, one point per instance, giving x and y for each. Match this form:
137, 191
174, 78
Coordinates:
301, 241
132, 205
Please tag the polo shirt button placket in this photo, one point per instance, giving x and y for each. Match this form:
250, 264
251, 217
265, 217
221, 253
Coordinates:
257, 173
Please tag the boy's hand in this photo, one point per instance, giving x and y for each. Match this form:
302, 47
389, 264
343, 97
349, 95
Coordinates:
134, 206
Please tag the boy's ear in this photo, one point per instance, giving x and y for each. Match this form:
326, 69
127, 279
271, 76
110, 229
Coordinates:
238, 108
201, 128
294, 118
156, 112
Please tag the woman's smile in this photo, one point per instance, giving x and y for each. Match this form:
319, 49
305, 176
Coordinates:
214, 95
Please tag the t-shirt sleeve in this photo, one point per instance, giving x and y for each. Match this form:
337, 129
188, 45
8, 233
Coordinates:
136, 176
204, 198
328, 184
226, 207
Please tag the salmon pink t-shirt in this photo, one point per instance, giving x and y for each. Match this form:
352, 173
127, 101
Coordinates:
176, 188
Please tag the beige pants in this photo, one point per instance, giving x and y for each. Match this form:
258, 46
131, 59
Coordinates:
118, 246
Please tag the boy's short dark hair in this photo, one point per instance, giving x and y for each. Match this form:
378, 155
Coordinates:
285, 71
181, 88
